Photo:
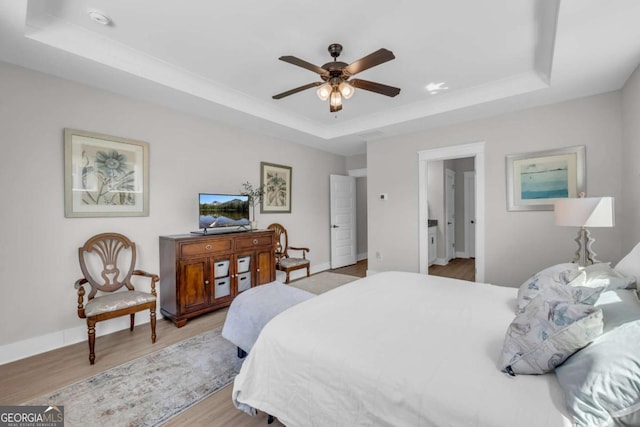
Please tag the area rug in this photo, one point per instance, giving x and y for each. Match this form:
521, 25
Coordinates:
323, 282
151, 389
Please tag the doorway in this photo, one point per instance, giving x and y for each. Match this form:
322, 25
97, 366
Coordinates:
343, 220
476, 151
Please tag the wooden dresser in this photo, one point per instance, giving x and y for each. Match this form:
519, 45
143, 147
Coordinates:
199, 274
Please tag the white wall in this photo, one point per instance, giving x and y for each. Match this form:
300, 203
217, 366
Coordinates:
629, 204
38, 245
517, 243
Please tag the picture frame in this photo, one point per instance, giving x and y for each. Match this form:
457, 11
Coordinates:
535, 180
276, 182
105, 176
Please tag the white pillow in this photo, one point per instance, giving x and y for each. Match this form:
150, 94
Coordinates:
602, 275
601, 383
619, 306
558, 322
550, 276
630, 264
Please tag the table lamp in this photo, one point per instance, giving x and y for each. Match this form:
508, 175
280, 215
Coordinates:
585, 212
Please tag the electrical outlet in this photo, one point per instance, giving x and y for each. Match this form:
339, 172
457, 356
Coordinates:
378, 256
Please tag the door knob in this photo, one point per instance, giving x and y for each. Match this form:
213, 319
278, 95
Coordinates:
473, 222
335, 226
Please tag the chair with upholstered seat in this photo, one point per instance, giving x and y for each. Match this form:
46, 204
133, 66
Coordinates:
284, 262
108, 262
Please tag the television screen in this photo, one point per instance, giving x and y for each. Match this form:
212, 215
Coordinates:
223, 210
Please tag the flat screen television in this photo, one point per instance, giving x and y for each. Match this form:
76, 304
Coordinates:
223, 212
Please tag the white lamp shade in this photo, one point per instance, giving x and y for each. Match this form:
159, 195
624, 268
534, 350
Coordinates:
585, 212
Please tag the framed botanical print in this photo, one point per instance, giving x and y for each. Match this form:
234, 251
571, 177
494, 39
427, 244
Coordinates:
276, 182
536, 180
105, 176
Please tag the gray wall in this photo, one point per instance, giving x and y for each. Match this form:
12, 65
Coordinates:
629, 204
38, 249
360, 162
460, 166
517, 243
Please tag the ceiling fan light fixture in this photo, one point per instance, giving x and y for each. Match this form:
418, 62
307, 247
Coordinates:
335, 75
346, 90
336, 99
324, 91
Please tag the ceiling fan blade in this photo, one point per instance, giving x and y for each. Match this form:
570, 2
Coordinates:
378, 57
304, 64
375, 87
296, 90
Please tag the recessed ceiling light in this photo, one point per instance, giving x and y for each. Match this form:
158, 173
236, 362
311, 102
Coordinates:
99, 17
434, 88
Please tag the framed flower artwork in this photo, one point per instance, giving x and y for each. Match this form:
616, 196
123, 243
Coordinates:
105, 176
276, 182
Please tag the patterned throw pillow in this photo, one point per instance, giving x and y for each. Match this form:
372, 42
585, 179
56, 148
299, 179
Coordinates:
560, 274
559, 321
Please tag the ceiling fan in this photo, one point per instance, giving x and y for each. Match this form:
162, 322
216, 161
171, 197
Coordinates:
336, 74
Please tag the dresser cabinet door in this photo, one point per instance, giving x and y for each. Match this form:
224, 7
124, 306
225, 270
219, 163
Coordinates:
194, 284
265, 266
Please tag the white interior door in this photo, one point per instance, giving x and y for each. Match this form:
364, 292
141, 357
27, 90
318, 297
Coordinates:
450, 214
343, 220
470, 214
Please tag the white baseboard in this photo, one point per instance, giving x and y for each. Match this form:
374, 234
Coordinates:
441, 261
51, 341
462, 254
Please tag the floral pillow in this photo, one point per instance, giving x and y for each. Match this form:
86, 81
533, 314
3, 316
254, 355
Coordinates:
560, 274
559, 321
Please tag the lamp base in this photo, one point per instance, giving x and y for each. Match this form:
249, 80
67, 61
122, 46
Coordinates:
585, 255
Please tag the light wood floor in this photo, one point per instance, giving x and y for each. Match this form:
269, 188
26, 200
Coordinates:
28, 378
44, 373
458, 268
358, 269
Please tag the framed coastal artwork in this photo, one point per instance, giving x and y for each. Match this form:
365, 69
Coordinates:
105, 176
276, 182
536, 180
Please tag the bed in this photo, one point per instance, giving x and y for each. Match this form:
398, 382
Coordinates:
396, 349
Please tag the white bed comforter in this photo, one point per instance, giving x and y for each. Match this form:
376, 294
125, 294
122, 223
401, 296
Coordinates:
395, 349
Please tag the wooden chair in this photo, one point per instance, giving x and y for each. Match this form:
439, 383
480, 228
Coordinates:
107, 262
283, 261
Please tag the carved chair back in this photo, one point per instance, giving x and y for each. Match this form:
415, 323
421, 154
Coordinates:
107, 262
282, 240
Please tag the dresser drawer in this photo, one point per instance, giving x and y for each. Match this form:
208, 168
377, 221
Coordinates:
206, 247
251, 242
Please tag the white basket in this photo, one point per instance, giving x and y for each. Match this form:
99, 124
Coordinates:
244, 263
222, 288
221, 268
244, 282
